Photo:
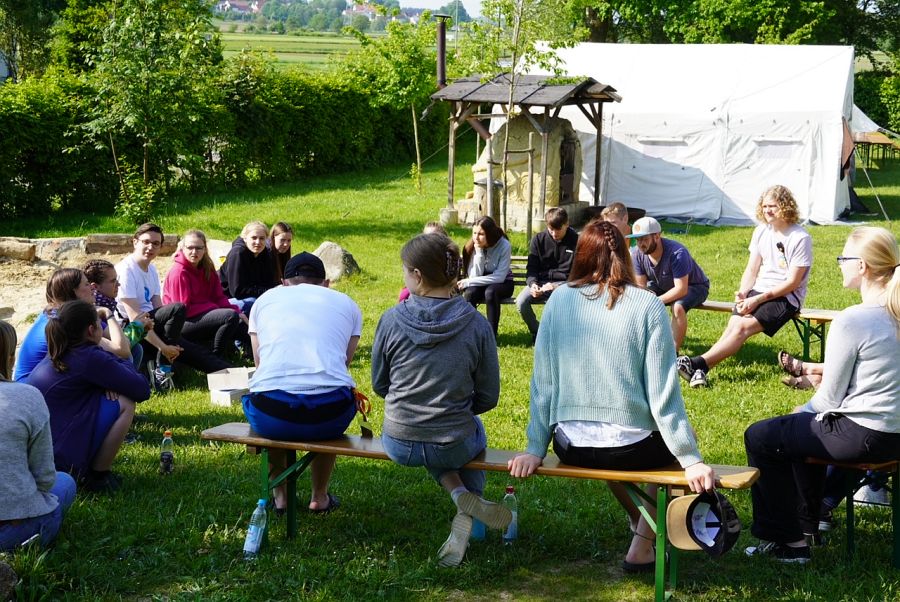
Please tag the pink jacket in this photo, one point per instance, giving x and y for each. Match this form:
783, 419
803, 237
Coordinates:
186, 284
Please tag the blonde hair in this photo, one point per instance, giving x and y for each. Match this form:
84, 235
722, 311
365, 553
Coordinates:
877, 247
7, 349
251, 226
615, 210
787, 205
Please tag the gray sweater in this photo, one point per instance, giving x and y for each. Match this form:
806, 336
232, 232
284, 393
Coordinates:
435, 363
26, 453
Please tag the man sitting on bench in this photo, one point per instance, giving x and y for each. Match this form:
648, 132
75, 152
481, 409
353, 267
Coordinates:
773, 285
666, 269
549, 260
303, 336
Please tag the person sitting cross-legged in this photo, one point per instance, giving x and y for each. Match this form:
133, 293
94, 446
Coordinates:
549, 261
666, 268
773, 285
430, 412
304, 336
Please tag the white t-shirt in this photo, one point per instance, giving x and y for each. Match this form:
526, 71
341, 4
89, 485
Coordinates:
135, 283
795, 251
303, 332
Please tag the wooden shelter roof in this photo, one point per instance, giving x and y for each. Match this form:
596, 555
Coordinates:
530, 90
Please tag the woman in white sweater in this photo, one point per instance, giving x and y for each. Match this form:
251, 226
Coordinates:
486, 260
854, 415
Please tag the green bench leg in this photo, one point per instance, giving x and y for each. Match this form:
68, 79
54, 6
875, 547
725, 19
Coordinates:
663, 557
895, 515
810, 333
289, 478
851, 519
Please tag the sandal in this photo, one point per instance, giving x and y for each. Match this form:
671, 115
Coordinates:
334, 502
798, 382
790, 364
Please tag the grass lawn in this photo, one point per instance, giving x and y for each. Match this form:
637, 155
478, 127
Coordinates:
180, 537
311, 50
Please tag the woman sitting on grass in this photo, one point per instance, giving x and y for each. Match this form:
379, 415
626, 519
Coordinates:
67, 284
486, 263
210, 320
104, 282
854, 415
604, 387
434, 360
279, 244
90, 394
249, 268
33, 496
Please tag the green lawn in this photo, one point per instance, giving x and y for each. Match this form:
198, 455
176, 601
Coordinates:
311, 50
180, 537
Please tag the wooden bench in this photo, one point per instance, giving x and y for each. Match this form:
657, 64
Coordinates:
518, 265
810, 324
854, 483
671, 479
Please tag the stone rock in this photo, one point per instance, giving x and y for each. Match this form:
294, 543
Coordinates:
8, 580
121, 243
338, 262
17, 248
55, 249
217, 250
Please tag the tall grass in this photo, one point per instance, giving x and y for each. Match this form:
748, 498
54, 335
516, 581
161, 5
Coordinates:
180, 537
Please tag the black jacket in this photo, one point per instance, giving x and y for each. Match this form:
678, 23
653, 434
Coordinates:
246, 275
548, 260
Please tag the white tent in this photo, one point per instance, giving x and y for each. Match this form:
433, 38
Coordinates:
702, 130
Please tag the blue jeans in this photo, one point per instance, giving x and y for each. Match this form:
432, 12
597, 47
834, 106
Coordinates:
47, 525
441, 458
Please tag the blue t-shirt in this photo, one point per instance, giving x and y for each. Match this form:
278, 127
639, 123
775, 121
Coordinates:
33, 349
676, 262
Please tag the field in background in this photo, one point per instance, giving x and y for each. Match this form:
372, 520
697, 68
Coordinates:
310, 50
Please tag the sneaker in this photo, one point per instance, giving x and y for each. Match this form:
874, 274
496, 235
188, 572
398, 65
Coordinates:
826, 521
698, 379
780, 552
870, 496
162, 379
150, 366
685, 367
495, 516
454, 549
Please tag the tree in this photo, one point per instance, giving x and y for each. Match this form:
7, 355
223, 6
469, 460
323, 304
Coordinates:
456, 10
360, 23
152, 77
25, 28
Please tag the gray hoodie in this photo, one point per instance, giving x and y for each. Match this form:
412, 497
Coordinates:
435, 363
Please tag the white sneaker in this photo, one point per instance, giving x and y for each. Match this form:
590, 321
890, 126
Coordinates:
454, 549
495, 516
684, 366
698, 379
872, 497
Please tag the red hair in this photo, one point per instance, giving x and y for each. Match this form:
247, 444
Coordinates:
602, 258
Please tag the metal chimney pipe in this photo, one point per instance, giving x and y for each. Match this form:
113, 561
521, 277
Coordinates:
442, 49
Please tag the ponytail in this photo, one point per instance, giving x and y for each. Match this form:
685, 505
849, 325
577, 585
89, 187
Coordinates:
68, 329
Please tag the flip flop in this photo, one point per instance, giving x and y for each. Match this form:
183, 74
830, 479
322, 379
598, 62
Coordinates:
634, 568
798, 382
790, 364
334, 502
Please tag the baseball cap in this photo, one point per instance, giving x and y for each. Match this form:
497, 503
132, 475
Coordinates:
643, 227
705, 521
306, 265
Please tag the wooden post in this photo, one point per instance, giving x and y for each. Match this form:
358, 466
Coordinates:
489, 180
599, 127
545, 149
530, 188
451, 161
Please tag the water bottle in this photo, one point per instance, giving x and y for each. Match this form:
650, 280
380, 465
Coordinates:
255, 531
510, 501
167, 454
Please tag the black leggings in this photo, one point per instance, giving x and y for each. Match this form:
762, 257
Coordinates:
221, 327
650, 452
491, 295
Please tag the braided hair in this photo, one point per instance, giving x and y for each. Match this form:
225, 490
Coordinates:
602, 259
435, 256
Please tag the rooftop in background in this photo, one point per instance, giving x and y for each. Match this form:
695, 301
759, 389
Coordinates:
530, 90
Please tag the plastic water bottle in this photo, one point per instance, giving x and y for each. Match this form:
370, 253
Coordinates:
510, 501
167, 454
255, 531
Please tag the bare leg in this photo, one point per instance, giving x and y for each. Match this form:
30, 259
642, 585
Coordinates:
621, 494
321, 468
113, 441
813, 369
679, 324
277, 464
641, 549
739, 329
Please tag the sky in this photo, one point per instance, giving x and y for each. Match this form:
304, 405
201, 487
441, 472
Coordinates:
473, 7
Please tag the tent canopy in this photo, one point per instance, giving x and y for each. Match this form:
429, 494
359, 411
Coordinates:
703, 130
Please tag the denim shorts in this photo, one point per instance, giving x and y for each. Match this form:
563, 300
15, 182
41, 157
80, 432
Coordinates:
13, 533
298, 417
441, 458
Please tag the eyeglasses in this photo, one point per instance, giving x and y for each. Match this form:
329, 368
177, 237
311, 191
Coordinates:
195, 248
150, 243
841, 259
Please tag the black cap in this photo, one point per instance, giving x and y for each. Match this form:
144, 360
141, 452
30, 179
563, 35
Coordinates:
304, 265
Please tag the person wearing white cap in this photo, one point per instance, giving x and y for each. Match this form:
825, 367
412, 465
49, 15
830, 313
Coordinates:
772, 288
666, 268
